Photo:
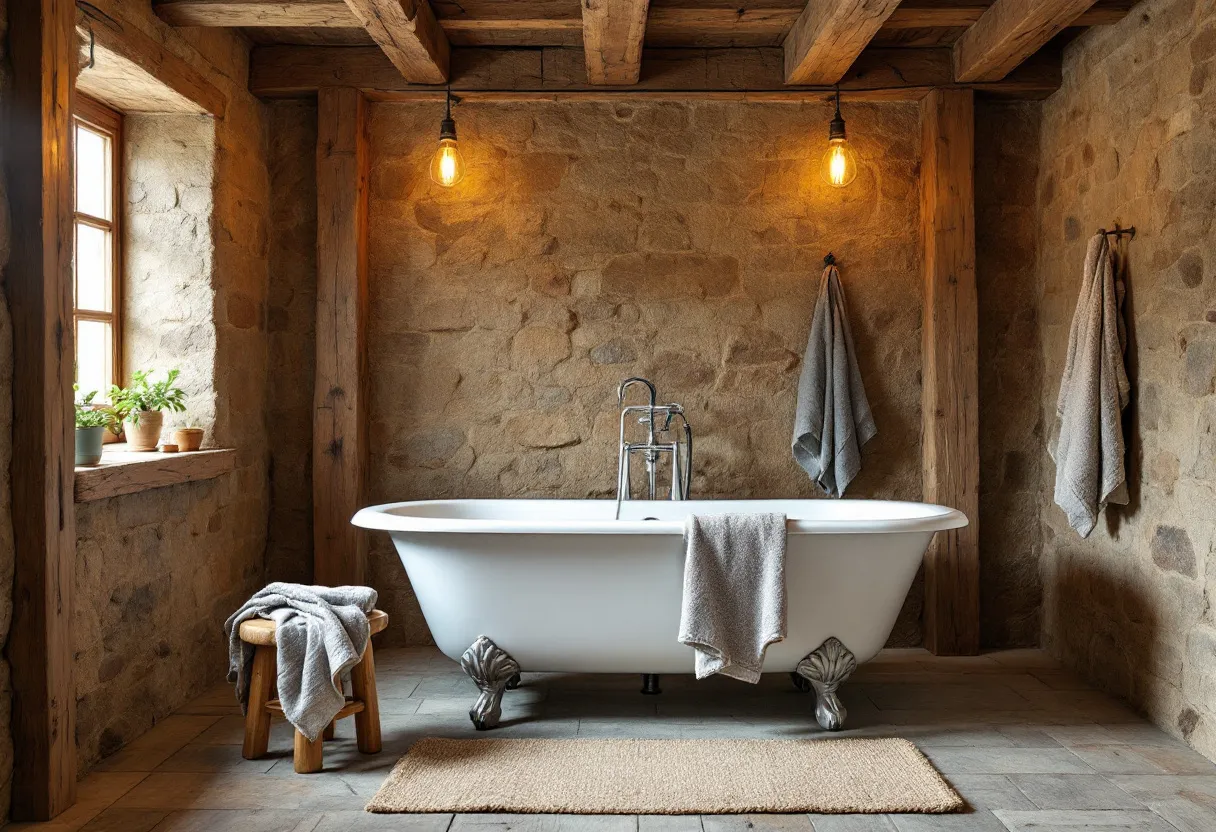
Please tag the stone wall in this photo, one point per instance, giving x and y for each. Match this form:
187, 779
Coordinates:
168, 243
7, 554
291, 322
159, 571
1131, 138
595, 241
1006, 226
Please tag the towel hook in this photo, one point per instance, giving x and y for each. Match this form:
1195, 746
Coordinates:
1129, 232
830, 260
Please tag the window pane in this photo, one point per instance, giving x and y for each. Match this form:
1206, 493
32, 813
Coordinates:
92, 173
93, 353
93, 253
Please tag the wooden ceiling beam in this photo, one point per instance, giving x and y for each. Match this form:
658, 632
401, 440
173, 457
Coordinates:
828, 37
613, 32
410, 36
753, 23
756, 74
256, 13
1009, 32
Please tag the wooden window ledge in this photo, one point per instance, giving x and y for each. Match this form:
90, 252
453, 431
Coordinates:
128, 472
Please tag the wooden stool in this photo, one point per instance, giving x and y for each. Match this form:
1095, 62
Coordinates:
364, 705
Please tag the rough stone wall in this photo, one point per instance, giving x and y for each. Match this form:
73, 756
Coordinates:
1131, 137
595, 241
291, 322
7, 554
158, 572
1006, 223
169, 168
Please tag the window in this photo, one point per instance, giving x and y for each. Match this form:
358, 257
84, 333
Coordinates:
97, 266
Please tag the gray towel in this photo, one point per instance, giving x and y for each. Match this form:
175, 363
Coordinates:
1093, 393
321, 633
833, 418
734, 591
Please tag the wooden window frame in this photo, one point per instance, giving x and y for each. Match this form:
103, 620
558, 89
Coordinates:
97, 116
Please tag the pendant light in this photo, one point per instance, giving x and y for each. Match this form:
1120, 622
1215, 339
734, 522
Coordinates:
447, 165
839, 164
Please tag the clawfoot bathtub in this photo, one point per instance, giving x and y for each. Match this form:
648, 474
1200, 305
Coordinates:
563, 586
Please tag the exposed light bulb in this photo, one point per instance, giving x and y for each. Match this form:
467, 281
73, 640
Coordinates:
839, 164
447, 165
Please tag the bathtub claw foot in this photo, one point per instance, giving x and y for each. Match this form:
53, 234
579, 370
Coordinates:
826, 668
493, 669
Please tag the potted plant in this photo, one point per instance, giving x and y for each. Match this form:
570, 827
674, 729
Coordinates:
189, 437
141, 407
91, 423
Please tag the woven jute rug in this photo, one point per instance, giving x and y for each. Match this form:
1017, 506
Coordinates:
665, 777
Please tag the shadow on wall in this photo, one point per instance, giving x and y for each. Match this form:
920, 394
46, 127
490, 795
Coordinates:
1106, 625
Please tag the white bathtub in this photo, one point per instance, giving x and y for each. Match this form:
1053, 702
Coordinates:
562, 586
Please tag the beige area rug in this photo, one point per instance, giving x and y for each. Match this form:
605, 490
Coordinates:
665, 777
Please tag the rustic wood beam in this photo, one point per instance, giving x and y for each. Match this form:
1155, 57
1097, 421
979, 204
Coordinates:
950, 374
879, 74
38, 154
119, 39
409, 35
770, 18
1009, 32
339, 455
254, 13
828, 37
613, 32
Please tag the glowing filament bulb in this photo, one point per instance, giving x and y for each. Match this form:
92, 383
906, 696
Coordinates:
447, 166
839, 164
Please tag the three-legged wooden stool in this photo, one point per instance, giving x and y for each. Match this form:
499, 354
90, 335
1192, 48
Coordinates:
364, 705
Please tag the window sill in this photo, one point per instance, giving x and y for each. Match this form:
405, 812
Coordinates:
129, 472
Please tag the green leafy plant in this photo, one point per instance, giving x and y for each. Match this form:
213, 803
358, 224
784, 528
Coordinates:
89, 415
144, 395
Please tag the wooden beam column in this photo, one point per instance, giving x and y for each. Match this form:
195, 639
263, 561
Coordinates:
1009, 32
339, 451
950, 393
613, 31
410, 36
827, 38
43, 50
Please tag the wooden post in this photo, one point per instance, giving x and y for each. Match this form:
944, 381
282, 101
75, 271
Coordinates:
950, 394
339, 454
43, 49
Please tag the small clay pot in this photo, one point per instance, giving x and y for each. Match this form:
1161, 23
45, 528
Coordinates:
188, 439
168, 448
145, 435
88, 445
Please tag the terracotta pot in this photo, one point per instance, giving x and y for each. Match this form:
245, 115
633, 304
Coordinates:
145, 435
188, 439
88, 445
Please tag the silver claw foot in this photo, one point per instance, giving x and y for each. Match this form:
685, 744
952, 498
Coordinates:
493, 669
825, 668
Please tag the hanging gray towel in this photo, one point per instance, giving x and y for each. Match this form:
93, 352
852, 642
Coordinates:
321, 633
1093, 392
833, 418
734, 592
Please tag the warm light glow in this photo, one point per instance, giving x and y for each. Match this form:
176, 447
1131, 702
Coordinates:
839, 165
447, 167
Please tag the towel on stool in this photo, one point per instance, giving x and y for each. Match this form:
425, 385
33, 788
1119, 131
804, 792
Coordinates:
321, 633
1093, 392
832, 420
734, 592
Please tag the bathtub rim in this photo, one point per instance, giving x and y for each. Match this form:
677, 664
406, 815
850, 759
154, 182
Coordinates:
382, 518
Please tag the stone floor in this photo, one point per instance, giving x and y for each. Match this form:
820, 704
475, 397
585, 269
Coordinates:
1027, 744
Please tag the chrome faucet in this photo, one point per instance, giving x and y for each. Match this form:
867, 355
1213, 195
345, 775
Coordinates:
660, 439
